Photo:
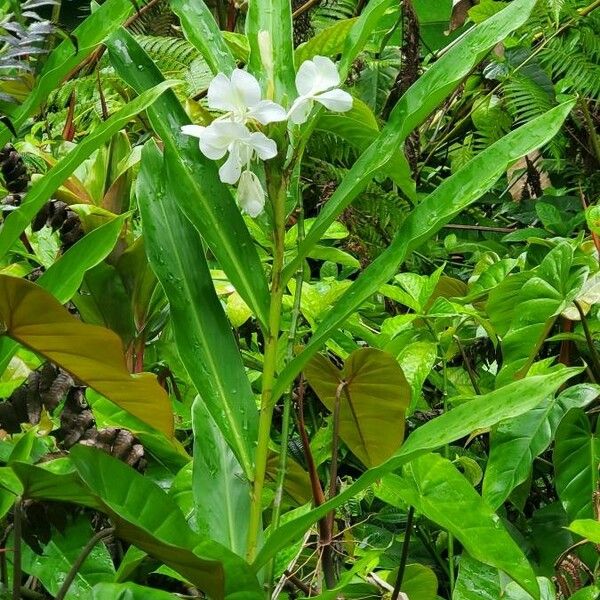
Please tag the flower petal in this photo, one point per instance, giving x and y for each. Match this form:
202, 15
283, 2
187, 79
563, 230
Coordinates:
336, 100
245, 88
221, 95
264, 147
300, 110
218, 136
193, 130
266, 112
328, 76
231, 168
305, 78
250, 194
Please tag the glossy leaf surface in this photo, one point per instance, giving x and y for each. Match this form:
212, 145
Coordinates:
374, 396
177, 257
434, 486
92, 354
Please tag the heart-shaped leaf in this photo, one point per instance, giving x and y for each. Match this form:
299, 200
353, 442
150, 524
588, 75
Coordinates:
373, 394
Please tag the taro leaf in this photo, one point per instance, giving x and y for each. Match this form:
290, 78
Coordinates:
576, 463
58, 557
478, 413
513, 592
92, 354
516, 443
373, 400
476, 581
147, 517
435, 487
128, 591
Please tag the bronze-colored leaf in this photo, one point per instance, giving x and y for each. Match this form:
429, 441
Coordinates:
373, 400
91, 354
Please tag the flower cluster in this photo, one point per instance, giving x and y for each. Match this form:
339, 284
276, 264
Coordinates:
236, 134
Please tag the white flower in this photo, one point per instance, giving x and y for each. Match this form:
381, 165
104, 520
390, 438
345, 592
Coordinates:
250, 194
239, 96
222, 137
317, 80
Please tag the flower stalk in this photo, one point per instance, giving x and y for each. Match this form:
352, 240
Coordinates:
277, 186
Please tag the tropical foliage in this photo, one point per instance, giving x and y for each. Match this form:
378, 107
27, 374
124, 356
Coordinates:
300, 299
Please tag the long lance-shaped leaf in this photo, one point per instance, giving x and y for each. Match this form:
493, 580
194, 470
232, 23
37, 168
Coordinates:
420, 100
481, 412
92, 354
65, 57
43, 188
204, 200
202, 332
269, 31
201, 29
360, 32
450, 198
63, 278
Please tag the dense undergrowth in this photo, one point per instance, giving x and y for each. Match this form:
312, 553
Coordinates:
343, 345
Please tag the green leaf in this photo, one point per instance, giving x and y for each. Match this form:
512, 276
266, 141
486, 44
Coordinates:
419, 582
478, 413
201, 29
576, 461
203, 335
61, 552
147, 517
516, 443
476, 581
43, 188
452, 196
587, 528
329, 42
92, 354
428, 92
434, 486
65, 57
194, 179
269, 31
485, 9
547, 591
587, 593
539, 301
221, 491
128, 591
373, 398
63, 278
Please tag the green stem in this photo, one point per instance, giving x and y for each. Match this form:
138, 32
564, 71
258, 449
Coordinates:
287, 400
591, 129
17, 570
404, 555
590, 341
277, 193
85, 551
